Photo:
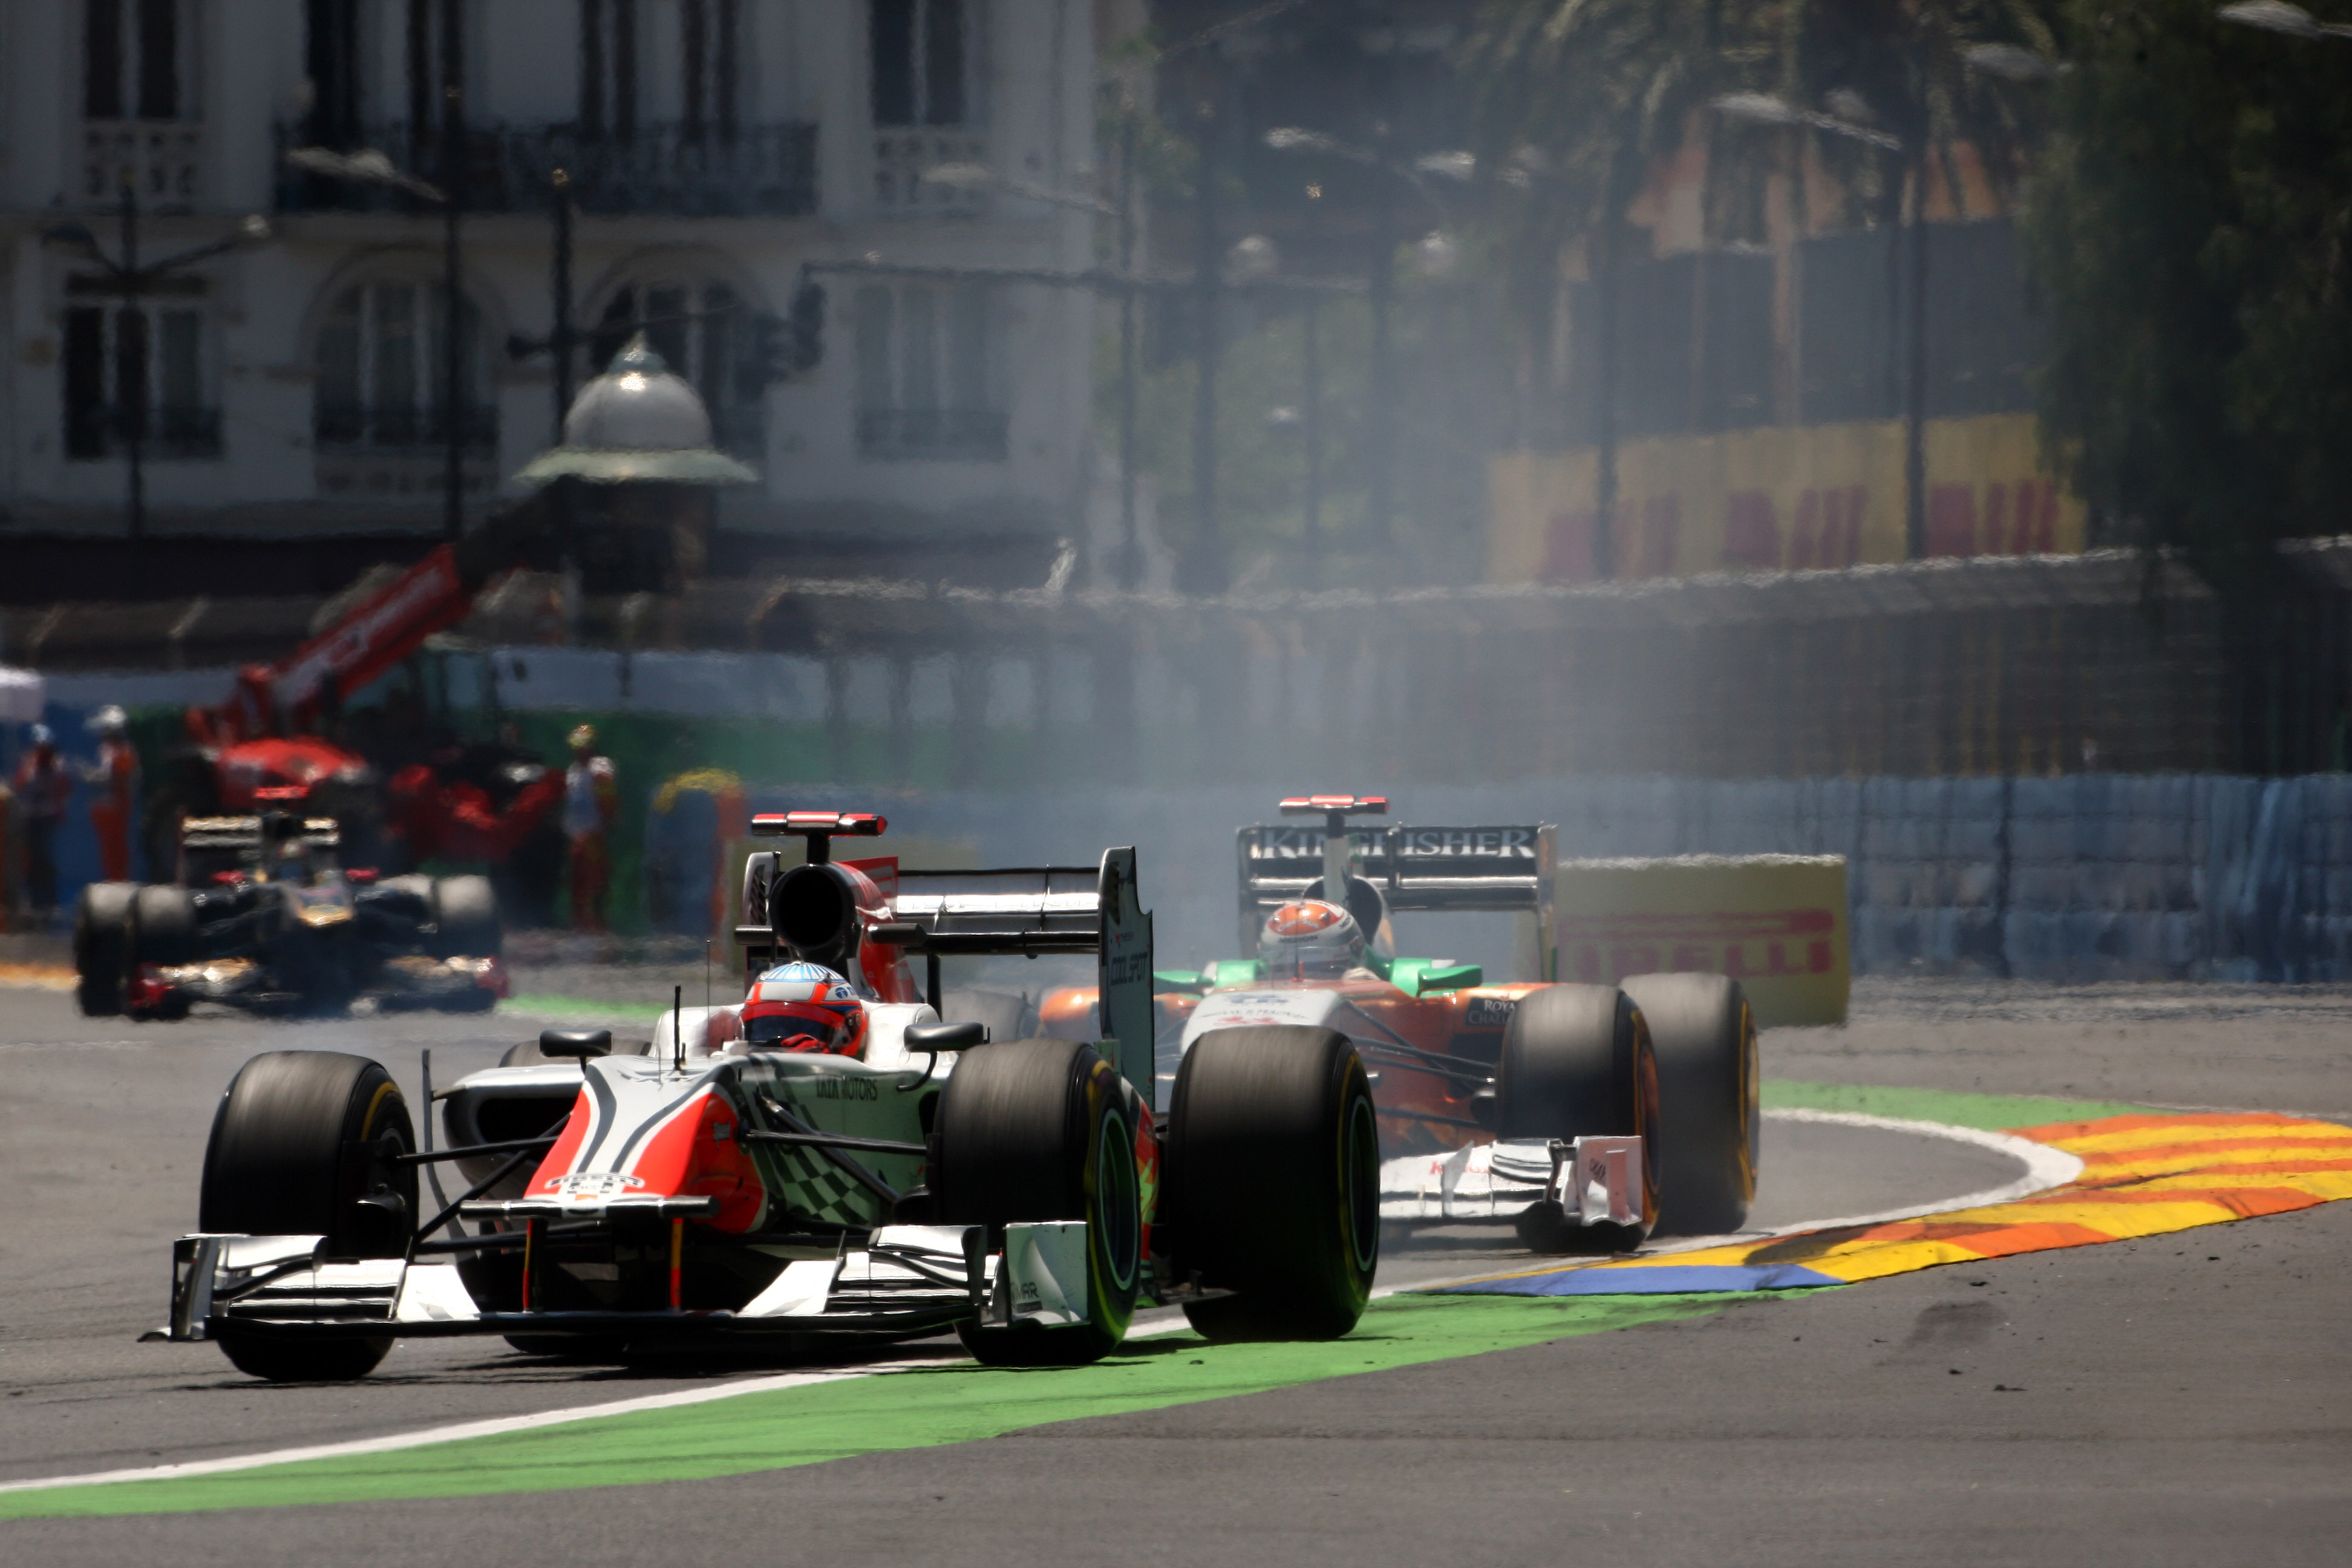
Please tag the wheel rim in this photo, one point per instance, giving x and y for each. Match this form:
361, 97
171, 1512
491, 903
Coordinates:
1359, 1168
1115, 1213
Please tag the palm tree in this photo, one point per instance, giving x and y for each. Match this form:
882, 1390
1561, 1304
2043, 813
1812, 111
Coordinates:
1908, 67
1577, 99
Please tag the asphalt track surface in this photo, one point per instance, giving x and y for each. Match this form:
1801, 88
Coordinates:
2179, 1399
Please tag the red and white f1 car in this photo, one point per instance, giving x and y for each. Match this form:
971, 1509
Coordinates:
827, 1159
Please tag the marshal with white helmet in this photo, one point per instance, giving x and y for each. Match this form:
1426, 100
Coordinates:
828, 1158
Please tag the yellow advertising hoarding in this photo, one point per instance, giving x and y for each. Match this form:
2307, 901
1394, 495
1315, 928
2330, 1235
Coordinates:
1780, 498
1775, 923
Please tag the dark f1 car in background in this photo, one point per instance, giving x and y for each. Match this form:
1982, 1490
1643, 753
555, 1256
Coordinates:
898, 1179
265, 918
1584, 1114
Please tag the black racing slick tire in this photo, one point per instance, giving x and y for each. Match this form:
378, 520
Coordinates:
466, 918
1271, 1186
282, 1163
162, 925
1704, 1034
1039, 1129
101, 947
1576, 1061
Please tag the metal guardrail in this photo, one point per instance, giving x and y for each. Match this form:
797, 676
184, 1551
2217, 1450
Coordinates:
671, 167
2104, 663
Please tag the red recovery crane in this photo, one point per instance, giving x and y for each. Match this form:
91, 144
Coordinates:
262, 737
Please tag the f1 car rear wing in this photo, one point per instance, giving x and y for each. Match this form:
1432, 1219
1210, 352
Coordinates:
1026, 911
236, 833
1030, 910
1481, 869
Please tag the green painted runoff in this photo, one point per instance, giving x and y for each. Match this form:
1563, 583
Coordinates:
917, 1408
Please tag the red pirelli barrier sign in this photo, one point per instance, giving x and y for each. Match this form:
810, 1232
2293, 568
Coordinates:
1777, 923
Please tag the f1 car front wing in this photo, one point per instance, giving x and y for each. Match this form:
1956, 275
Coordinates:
1595, 1181
904, 1281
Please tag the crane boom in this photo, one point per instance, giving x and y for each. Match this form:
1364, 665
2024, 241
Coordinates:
374, 637
378, 633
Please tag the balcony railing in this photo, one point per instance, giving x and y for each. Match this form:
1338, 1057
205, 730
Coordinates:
901, 154
161, 160
349, 427
941, 435
97, 431
400, 454
761, 171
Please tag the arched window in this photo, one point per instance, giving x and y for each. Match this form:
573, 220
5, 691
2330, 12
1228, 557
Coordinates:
703, 330
380, 411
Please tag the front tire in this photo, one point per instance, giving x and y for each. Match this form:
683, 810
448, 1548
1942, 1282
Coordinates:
1272, 1181
1577, 1061
275, 1166
101, 947
1704, 1034
1038, 1130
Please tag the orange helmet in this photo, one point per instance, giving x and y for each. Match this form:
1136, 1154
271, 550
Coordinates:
1308, 938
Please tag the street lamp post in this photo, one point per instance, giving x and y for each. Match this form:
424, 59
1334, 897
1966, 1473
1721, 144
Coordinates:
969, 176
1764, 109
1130, 547
1380, 275
129, 281
559, 334
1310, 331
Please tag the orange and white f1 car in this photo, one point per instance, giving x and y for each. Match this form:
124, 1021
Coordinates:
1584, 1114
827, 1159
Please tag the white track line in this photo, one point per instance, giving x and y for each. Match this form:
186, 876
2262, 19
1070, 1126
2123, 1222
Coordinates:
459, 1433
2045, 1168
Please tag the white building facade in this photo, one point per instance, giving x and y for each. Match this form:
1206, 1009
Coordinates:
713, 148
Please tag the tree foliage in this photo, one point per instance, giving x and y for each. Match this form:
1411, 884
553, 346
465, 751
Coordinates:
2187, 234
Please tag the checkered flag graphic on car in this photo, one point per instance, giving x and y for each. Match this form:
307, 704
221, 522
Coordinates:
814, 1187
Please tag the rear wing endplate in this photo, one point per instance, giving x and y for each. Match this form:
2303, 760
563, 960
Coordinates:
1480, 868
1033, 911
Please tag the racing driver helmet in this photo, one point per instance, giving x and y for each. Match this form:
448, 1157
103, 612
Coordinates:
802, 1007
1309, 939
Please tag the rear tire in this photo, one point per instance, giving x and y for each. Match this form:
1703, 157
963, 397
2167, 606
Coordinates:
466, 918
101, 947
1038, 1130
1704, 1034
1577, 1061
1272, 1188
163, 926
275, 1166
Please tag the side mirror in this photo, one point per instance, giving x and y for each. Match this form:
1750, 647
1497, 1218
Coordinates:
945, 1037
579, 1043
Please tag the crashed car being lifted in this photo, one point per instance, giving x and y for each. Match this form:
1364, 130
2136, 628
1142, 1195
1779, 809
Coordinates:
1584, 1115
263, 917
757, 1174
